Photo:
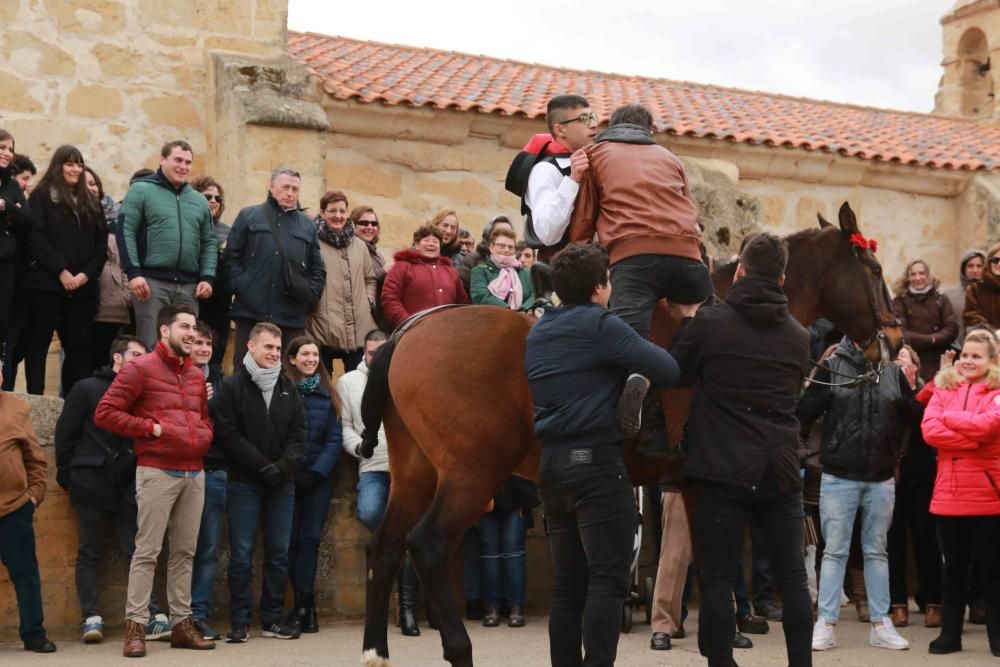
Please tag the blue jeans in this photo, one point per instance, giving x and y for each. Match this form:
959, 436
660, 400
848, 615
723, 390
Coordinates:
502, 557
472, 576
839, 502
309, 518
246, 505
17, 552
373, 493
206, 557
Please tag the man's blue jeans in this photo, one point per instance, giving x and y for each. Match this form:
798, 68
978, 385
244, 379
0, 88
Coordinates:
17, 552
373, 493
502, 557
839, 502
247, 504
311, 509
206, 557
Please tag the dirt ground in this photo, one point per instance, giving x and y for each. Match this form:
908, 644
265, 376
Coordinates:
340, 645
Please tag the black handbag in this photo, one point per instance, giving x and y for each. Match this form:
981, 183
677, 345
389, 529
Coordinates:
294, 273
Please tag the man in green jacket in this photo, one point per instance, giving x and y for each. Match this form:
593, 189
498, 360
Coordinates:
166, 237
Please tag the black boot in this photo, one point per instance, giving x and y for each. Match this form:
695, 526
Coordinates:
409, 585
993, 629
305, 612
950, 639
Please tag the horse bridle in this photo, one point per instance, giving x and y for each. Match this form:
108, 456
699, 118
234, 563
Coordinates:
873, 374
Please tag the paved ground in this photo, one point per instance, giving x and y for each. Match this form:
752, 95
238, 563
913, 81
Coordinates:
339, 645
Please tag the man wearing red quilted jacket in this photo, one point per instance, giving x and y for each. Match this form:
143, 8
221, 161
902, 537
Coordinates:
160, 401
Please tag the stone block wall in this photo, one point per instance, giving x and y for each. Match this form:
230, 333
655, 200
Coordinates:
119, 78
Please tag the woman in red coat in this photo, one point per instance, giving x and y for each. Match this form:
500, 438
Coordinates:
421, 278
963, 422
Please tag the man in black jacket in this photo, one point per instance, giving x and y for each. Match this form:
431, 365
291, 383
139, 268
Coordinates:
577, 357
260, 425
97, 468
269, 245
746, 358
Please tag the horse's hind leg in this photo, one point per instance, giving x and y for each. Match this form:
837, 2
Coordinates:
456, 507
411, 489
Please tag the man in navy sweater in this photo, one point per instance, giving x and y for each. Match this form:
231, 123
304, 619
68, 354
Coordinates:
577, 358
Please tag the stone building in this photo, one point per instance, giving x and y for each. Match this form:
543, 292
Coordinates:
410, 130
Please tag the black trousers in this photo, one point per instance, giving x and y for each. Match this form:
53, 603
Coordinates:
966, 540
638, 282
17, 552
591, 517
720, 524
911, 515
92, 524
351, 358
72, 317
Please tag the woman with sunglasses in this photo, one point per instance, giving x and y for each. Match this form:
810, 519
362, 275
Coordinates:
982, 299
343, 316
62, 276
366, 228
214, 311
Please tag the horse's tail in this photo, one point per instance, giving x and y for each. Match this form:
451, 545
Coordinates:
376, 397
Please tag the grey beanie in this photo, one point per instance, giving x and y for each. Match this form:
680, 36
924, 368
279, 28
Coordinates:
969, 254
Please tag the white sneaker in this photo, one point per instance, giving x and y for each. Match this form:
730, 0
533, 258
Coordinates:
823, 635
884, 635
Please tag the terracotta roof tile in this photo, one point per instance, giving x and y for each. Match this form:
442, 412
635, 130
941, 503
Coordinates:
392, 74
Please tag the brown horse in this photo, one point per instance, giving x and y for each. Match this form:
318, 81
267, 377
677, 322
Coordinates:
470, 362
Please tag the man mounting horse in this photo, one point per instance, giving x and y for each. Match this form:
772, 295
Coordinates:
635, 197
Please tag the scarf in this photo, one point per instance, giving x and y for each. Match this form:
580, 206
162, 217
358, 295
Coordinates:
377, 259
309, 384
264, 378
507, 285
340, 239
920, 292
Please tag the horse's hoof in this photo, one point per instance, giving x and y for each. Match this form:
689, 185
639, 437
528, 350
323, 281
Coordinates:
371, 658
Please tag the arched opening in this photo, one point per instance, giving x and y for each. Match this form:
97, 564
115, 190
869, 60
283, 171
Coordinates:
974, 73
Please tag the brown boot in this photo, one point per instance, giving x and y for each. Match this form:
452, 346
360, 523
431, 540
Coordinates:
900, 615
932, 616
185, 635
135, 640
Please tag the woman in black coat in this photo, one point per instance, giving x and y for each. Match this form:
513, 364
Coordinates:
61, 279
15, 228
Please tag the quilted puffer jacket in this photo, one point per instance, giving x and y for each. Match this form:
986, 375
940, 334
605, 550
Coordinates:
162, 388
963, 422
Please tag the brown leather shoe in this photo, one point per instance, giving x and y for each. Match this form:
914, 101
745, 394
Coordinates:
932, 616
135, 640
185, 635
900, 614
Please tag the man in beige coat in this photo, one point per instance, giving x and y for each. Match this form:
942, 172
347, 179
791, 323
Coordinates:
343, 315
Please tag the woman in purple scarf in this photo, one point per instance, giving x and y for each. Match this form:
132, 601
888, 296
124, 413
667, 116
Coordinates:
500, 280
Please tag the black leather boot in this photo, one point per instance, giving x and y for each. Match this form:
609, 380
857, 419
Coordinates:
993, 629
409, 586
305, 612
950, 639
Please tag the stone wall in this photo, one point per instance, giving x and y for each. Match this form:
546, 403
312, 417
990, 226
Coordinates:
118, 78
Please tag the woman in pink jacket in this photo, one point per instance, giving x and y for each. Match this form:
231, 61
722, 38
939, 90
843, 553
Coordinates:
963, 422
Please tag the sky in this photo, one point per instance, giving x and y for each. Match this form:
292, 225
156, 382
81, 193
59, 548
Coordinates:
880, 53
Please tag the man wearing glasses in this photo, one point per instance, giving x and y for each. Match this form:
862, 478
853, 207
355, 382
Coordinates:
635, 197
554, 183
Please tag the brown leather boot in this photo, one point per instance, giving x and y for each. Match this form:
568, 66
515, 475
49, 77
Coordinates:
135, 640
900, 614
185, 635
932, 616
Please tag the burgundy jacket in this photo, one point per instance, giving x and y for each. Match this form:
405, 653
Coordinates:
415, 283
160, 387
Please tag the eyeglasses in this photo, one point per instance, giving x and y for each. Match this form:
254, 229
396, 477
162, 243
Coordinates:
588, 118
504, 246
994, 260
210, 197
366, 223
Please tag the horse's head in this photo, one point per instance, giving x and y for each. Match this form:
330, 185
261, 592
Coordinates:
853, 294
